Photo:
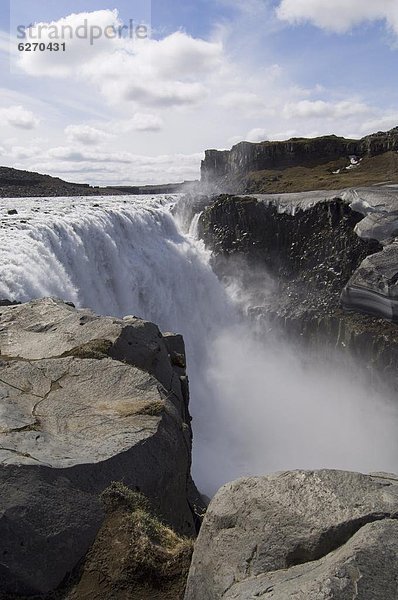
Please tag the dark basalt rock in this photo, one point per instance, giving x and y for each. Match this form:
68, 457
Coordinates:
6, 302
314, 246
310, 244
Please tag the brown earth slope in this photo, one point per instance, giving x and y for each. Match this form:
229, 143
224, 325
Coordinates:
334, 175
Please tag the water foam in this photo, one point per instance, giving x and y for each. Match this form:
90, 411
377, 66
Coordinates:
256, 405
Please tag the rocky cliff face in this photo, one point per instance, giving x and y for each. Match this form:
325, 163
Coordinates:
246, 156
316, 246
227, 170
299, 535
85, 400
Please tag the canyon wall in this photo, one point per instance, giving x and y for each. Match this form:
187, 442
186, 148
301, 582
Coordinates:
309, 251
227, 169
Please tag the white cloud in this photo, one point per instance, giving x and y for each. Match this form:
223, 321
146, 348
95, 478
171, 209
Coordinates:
18, 116
382, 123
263, 135
115, 168
167, 72
5, 44
78, 50
257, 135
258, 95
85, 134
306, 109
181, 54
22, 152
283, 135
71, 154
339, 15
145, 122
248, 101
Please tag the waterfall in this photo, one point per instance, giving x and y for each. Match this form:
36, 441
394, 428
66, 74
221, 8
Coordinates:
256, 405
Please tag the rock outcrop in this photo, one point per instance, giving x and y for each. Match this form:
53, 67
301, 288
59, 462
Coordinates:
294, 165
303, 535
311, 243
373, 286
306, 242
324, 251
85, 400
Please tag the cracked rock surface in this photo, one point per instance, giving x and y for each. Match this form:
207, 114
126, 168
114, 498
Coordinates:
303, 535
84, 401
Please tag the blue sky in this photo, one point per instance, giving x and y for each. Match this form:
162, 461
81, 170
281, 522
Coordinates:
213, 73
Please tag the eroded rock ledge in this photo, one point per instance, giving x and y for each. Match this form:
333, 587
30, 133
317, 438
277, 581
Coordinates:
85, 400
305, 535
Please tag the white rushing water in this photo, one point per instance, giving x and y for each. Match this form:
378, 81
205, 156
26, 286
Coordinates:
257, 406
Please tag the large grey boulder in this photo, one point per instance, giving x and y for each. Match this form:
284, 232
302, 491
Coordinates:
84, 401
305, 535
379, 206
373, 288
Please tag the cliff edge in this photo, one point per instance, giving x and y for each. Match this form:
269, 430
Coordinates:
302, 164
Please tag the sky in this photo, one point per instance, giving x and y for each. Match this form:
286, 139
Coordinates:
142, 107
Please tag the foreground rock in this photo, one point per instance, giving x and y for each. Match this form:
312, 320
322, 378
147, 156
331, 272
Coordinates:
84, 401
302, 535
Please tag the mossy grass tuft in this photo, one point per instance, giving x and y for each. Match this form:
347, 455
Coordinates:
96, 349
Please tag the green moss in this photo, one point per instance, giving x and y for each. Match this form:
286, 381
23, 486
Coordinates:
153, 529
96, 349
178, 360
153, 409
117, 495
156, 551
